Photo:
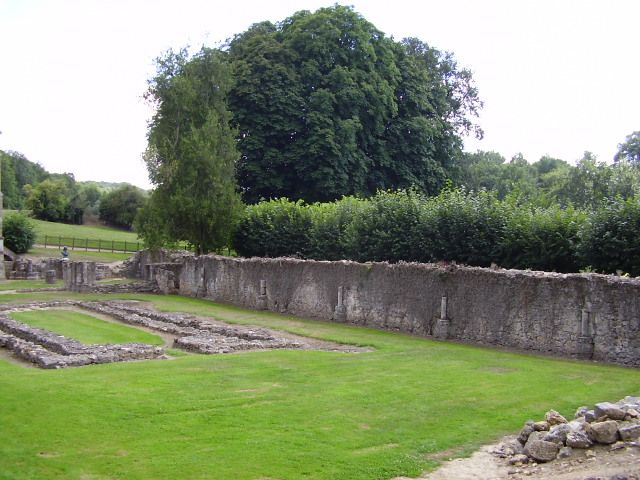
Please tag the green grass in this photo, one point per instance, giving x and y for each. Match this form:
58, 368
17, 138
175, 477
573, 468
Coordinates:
81, 231
8, 285
78, 255
85, 328
281, 414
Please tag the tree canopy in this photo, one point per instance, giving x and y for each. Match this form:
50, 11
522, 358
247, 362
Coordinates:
326, 105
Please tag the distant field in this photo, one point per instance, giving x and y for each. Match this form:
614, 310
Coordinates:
85, 237
80, 231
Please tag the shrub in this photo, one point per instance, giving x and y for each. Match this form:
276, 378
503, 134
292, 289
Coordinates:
330, 224
463, 227
609, 239
542, 238
385, 228
273, 229
18, 232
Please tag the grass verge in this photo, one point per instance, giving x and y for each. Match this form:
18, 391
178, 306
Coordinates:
281, 414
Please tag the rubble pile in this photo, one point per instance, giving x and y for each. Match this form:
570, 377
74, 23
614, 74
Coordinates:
614, 426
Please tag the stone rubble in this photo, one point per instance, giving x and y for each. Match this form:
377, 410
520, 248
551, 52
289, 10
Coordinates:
615, 425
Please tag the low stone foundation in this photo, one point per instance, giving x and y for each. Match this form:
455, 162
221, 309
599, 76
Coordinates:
195, 334
49, 350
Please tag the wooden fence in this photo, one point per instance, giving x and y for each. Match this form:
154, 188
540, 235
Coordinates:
91, 244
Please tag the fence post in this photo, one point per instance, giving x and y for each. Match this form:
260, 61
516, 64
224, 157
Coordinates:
112, 245
45, 241
59, 241
125, 247
86, 245
73, 243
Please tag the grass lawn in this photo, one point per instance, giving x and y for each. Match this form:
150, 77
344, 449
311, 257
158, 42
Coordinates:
281, 414
8, 285
78, 255
85, 328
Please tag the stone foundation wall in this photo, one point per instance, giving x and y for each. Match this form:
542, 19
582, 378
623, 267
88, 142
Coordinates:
589, 316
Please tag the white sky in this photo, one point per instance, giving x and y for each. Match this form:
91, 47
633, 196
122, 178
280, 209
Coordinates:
557, 77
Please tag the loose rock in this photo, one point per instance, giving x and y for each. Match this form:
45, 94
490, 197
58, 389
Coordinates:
604, 432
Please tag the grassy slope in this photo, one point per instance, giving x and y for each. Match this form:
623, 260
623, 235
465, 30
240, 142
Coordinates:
81, 231
85, 328
281, 414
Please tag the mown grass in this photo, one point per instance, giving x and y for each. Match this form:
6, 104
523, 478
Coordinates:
281, 414
9, 285
79, 255
85, 328
54, 229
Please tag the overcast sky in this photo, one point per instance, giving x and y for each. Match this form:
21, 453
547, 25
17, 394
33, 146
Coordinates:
557, 77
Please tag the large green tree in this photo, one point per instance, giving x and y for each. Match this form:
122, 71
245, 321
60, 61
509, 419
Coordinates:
326, 106
191, 153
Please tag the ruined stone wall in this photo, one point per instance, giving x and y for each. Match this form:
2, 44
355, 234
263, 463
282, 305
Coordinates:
586, 315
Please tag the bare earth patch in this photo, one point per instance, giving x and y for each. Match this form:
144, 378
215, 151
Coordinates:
603, 463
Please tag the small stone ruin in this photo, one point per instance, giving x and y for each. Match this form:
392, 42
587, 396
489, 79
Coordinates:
194, 334
616, 425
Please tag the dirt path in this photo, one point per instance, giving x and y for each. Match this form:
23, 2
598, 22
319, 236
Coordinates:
603, 464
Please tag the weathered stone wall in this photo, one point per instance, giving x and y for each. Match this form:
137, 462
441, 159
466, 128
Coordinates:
585, 315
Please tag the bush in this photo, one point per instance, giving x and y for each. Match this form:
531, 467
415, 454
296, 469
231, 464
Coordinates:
610, 237
18, 232
275, 228
542, 239
330, 224
385, 228
463, 227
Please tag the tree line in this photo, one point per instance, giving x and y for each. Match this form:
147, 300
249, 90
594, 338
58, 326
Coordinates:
58, 197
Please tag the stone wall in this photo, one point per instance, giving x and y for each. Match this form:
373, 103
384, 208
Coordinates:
580, 315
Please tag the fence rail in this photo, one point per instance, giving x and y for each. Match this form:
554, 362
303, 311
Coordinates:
87, 244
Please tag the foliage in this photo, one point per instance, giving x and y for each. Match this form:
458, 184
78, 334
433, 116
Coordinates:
17, 172
629, 150
542, 238
610, 237
462, 227
335, 415
120, 206
385, 228
549, 181
18, 232
330, 227
327, 106
56, 199
191, 153
273, 229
